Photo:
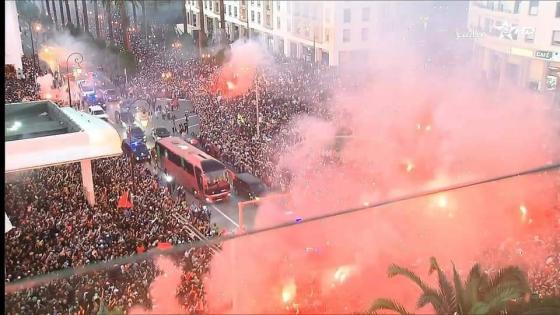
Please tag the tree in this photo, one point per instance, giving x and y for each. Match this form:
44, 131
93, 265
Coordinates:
109, 18
96, 12
54, 14
77, 14
134, 14
144, 20
68, 14
48, 8
62, 23
549, 305
124, 25
85, 16
201, 32
479, 294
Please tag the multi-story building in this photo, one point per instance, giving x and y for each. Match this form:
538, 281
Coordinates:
517, 42
331, 32
13, 48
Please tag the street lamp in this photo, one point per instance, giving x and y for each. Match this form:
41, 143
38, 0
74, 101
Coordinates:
258, 113
77, 60
37, 28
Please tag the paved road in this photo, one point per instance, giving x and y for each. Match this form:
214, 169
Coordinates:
225, 214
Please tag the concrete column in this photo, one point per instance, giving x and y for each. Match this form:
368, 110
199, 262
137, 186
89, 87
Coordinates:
87, 181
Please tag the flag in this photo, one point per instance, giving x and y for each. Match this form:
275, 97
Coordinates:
164, 245
124, 201
240, 119
7, 224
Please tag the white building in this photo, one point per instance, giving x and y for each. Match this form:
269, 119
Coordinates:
332, 32
13, 48
517, 42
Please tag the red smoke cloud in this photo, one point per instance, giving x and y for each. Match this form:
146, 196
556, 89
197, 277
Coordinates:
236, 77
412, 132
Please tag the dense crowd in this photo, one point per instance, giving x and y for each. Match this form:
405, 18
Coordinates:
23, 88
56, 229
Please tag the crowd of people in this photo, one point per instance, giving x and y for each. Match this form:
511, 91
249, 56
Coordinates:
56, 228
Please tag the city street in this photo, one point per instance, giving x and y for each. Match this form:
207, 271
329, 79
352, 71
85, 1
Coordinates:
226, 213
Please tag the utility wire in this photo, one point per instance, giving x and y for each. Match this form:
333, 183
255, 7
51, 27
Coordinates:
34, 281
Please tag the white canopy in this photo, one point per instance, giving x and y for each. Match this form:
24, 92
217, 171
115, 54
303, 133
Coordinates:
7, 224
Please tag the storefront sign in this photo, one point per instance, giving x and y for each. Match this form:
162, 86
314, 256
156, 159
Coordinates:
551, 82
543, 54
521, 52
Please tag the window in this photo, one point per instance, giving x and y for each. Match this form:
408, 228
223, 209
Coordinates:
365, 14
347, 16
558, 9
235, 11
556, 38
289, 26
252, 16
346, 36
533, 7
252, 2
188, 167
365, 33
289, 5
229, 10
530, 34
174, 158
194, 20
327, 35
258, 3
259, 17
278, 23
278, 5
516, 6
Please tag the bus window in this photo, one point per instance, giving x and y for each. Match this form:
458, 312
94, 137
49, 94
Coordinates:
174, 158
198, 176
187, 166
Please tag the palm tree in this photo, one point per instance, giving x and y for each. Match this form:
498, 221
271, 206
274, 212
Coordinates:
85, 16
77, 14
479, 294
109, 17
134, 13
124, 24
201, 19
48, 9
96, 12
61, 13
54, 14
68, 15
144, 20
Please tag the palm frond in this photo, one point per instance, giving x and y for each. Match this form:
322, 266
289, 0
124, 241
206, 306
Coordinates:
475, 280
459, 292
509, 274
387, 304
500, 295
395, 270
434, 298
446, 290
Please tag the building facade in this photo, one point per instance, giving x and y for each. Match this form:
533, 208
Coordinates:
13, 47
517, 42
329, 32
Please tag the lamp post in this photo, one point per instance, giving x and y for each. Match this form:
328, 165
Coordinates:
77, 60
257, 100
38, 27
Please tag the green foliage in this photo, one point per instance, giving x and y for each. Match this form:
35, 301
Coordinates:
387, 304
479, 294
549, 305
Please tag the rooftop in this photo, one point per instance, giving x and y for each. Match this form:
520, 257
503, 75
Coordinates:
36, 119
40, 134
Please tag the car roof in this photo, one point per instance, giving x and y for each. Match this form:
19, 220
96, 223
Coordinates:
96, 107
248, 178
161, 128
